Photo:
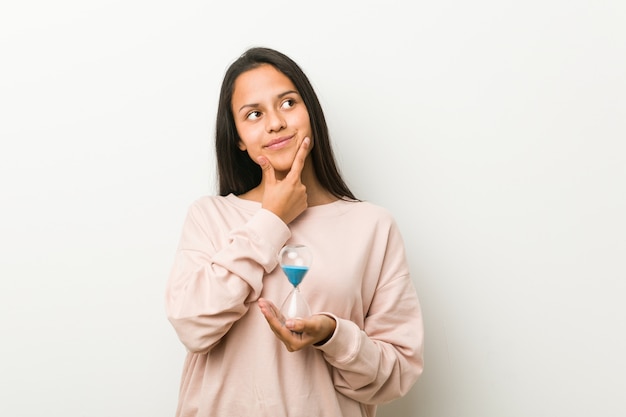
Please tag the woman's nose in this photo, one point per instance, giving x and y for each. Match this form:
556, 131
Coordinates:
274, 121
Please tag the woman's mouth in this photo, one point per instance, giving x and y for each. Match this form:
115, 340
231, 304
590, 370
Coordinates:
278, 143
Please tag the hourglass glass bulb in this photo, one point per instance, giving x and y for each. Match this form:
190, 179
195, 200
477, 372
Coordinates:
295, 261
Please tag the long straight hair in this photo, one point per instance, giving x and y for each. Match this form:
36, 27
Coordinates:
237, 173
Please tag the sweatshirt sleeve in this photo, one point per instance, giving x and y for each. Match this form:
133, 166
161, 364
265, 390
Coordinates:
212, 284
381, 361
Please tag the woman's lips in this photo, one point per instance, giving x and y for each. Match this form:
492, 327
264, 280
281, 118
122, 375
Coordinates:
278, 142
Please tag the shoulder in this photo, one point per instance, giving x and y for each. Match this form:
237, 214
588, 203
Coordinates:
216, 208
207, 203
362, 217
222, 203
377, 221
365, 210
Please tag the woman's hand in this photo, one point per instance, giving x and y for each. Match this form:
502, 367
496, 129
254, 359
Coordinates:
300, 332
286, 198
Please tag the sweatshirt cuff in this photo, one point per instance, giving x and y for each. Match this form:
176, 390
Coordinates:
345, 342
270, 232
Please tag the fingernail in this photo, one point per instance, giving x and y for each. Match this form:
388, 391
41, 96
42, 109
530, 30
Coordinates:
289, 323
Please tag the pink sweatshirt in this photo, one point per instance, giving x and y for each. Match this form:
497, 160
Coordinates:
236, 366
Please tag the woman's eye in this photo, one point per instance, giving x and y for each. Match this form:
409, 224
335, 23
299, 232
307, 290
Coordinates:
253, 115
287, 104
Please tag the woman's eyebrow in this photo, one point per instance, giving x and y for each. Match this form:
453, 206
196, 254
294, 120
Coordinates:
287, 92
281, 95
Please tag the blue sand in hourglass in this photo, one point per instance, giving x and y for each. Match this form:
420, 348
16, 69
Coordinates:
295, 273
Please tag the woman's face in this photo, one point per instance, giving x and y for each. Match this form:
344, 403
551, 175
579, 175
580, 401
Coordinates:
270, 116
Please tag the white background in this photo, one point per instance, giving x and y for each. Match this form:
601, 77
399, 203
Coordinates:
493, 130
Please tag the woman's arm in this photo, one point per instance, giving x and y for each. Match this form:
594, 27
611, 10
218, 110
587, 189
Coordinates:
381, 362
211, 283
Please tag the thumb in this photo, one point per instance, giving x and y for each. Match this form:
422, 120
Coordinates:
295, 325
267, 170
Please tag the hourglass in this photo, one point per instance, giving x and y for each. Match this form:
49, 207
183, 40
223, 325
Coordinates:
295, 261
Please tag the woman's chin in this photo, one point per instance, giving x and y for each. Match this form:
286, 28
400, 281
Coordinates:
282, 165
280, 174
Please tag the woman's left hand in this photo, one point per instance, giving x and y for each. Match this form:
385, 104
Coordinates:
300, 332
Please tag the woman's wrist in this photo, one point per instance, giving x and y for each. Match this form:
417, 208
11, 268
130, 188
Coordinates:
332, 328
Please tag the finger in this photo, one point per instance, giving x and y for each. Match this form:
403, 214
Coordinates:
296, 325
271, 307
273, 316
267, 170
316, 328
292, 338
298, 162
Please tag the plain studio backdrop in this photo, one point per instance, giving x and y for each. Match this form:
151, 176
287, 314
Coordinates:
494, 131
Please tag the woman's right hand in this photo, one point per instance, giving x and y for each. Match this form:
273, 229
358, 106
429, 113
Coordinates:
298, 333
286, 198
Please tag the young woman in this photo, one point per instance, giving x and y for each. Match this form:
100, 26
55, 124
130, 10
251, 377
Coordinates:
279, 184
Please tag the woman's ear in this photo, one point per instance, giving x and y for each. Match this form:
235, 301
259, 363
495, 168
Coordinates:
241, 145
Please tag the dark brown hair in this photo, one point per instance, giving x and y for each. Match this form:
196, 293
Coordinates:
236, 172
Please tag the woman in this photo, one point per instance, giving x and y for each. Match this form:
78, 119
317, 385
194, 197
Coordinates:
279, 184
